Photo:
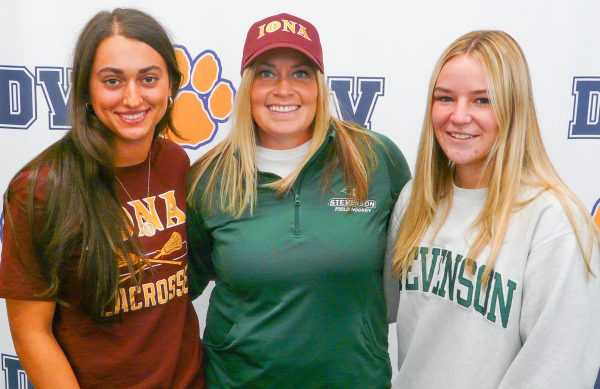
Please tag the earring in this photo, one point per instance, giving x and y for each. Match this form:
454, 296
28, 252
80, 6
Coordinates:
170, 102
87, 106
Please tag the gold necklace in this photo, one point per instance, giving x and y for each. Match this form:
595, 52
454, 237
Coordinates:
148, 228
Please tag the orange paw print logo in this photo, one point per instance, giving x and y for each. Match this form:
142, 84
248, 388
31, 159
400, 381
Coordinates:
596, 213
204, 101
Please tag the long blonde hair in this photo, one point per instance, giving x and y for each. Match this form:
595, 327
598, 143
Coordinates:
517, 159
232, 162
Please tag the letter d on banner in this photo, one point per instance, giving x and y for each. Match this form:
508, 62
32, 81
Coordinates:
17, 97
586, 109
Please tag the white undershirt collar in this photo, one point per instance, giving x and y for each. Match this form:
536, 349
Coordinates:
280, 162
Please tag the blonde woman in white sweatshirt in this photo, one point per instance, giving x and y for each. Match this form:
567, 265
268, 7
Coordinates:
492, 262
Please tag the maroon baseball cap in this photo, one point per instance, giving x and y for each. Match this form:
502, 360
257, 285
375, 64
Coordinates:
282, 31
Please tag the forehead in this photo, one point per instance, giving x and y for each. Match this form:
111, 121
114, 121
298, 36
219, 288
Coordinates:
462, 70
126, 53
281, 55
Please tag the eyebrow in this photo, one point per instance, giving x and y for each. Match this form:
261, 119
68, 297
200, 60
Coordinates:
120, 71
475, 92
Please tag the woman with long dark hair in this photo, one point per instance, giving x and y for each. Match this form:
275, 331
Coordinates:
94, 257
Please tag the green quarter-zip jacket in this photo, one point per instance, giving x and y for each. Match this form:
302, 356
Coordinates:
298, 300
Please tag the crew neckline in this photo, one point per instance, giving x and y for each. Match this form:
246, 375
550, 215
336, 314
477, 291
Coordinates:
280, 162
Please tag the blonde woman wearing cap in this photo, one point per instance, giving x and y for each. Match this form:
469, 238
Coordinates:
496, 257
289, 216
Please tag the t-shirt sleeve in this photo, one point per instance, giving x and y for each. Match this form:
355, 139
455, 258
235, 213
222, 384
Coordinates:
20, 272
201, 269
398, 170
560, 314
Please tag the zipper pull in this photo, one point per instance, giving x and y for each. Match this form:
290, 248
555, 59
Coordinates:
297, 229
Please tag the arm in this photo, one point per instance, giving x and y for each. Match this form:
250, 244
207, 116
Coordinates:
390, 284
560, 315
21, 283
200, 270
43, 359
399, 175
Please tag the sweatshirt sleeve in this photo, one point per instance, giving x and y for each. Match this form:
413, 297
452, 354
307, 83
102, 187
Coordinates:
390, 283
560, 314
201, 269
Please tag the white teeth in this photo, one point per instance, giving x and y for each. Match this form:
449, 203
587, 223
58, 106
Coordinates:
460, 136
283, 108
135, 116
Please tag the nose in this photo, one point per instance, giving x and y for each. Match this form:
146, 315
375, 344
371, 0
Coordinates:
461, 113
132, 96
283, 87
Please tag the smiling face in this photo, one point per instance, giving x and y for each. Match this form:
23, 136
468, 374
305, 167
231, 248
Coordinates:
284, 99
129, 91
463, 119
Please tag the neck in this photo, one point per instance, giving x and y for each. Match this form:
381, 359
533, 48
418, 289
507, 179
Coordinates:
129, 154
472, 177
284, 142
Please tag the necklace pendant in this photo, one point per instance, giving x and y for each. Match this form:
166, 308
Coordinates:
148, 229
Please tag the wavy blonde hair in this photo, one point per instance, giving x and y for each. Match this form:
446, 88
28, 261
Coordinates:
517, 159
231, 165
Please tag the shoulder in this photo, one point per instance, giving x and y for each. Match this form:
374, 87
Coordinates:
389, 151
170, 152
400, 205
406, 191
551, 215
544, 204
35, 179
390, 155
47, 169
404, 197
384, 143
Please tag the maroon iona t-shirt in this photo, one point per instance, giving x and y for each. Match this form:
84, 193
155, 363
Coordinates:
154, 340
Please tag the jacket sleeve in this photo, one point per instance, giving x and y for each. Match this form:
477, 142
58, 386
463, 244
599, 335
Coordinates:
201, 269
560, 314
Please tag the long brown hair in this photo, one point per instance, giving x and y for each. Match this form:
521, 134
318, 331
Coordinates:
81, 214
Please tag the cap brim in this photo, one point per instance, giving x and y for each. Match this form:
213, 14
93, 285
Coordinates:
280, 45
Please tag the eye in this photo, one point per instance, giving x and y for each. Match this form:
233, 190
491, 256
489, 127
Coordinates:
265, 73
301, 74
482, 101
443, 99
150, 79
112, 81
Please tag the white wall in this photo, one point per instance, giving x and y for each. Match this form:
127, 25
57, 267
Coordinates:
398, 41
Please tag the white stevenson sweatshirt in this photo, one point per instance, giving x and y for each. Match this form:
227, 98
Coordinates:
535, 325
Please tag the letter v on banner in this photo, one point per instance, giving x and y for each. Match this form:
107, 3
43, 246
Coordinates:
586, 108
354, 98
55, 83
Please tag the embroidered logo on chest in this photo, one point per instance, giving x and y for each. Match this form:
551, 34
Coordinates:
350, 204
